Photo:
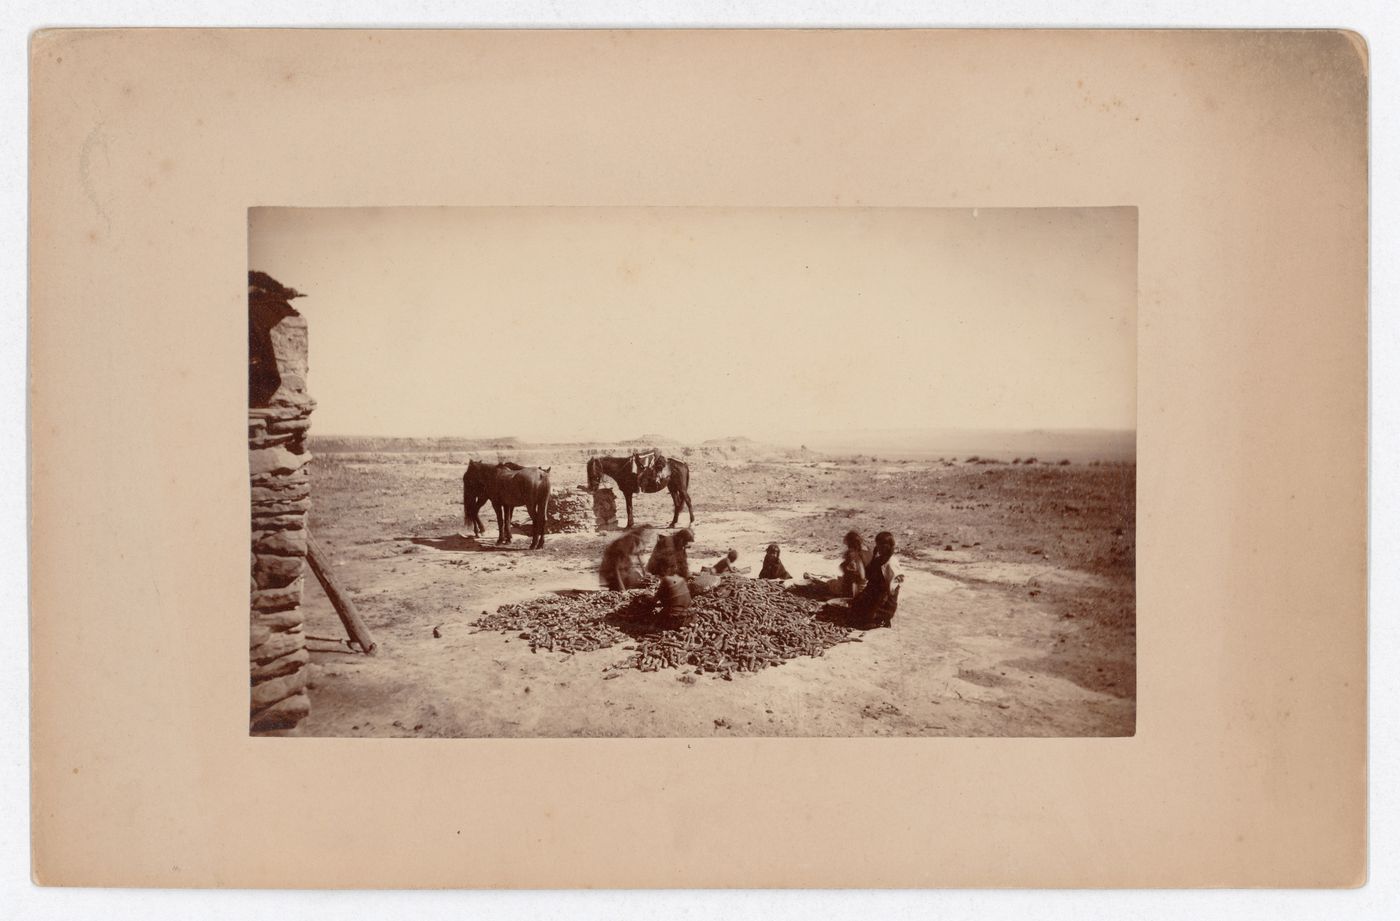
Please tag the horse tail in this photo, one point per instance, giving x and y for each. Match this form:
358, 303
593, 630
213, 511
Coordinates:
466, 501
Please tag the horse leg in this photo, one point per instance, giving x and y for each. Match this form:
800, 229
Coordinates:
688, 507
628, 497
501, 520
676, 510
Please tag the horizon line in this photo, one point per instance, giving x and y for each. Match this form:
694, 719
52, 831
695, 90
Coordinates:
785, 434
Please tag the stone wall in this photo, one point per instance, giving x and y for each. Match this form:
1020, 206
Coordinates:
604, 510
281, 498
569, 510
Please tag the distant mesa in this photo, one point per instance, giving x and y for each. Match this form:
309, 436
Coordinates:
1080, 446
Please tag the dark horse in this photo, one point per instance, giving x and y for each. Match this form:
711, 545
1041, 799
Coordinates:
476, 488
506, 486
627, 473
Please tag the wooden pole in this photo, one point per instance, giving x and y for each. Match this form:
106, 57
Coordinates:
350, 617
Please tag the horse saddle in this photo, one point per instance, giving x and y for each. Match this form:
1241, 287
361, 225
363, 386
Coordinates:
654, 472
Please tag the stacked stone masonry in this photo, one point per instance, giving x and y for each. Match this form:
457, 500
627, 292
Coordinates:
280, 484
570, 510
605, 510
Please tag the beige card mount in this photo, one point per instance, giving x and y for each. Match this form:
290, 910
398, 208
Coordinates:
1242, 157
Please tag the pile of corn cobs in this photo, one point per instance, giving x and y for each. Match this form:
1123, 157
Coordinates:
740, 625
568, 623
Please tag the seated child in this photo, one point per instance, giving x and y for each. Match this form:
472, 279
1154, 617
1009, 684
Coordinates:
773, 567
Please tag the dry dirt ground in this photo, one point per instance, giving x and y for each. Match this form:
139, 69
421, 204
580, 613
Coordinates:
1016, 618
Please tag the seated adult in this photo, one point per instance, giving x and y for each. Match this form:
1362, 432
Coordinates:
621, 567
853, 565
877, 602
668, 557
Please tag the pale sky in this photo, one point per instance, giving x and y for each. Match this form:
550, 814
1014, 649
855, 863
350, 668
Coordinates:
607, 323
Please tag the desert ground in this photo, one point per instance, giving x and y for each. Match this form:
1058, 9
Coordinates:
1017, 615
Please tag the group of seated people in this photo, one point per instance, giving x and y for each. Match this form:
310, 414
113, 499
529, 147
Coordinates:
867, 588
869, 578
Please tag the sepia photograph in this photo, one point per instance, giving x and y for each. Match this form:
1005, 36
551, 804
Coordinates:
684, 472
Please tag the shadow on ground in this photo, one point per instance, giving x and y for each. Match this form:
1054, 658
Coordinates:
456, 543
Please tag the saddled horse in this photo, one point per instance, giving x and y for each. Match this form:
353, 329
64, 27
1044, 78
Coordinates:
507, 486
644, 472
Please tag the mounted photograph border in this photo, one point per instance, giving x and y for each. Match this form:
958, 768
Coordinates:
1245, 153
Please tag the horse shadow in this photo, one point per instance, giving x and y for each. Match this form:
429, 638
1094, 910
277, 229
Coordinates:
456, 543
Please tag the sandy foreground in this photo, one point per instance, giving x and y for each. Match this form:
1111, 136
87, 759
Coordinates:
1016, 619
